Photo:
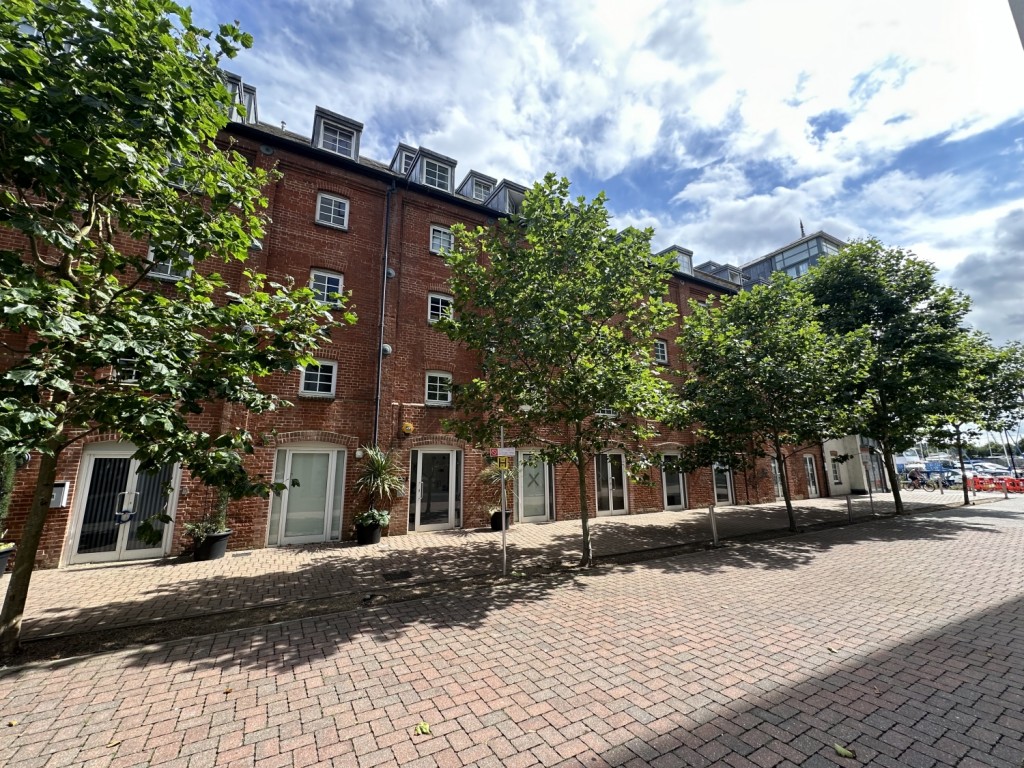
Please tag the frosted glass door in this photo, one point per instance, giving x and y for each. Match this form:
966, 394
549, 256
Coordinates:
306, 512
533, 490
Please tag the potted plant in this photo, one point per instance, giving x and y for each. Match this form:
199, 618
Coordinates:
210, 534
379, 479
491, 475
7, 467
369, 525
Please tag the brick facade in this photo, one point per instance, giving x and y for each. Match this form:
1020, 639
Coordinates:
387, 215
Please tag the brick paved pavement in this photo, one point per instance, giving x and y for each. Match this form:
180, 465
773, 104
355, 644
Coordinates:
901, 639
81, 599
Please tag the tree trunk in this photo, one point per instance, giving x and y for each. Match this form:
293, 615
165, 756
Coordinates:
581, 469
784, 476
25, 559
960, 458
894, 480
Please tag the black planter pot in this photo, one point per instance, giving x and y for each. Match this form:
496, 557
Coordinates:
213, 547
5, 555
368, 534
496, 520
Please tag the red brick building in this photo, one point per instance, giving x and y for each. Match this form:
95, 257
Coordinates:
343, 222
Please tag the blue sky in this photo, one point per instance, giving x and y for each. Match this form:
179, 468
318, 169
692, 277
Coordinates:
719, 123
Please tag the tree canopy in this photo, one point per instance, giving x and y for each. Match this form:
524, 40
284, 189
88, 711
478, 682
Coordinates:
110, 176
987, 395
912, 323
563, 311
763, 378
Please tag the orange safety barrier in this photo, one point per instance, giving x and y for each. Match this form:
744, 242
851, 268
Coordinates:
1014, 484
984, 484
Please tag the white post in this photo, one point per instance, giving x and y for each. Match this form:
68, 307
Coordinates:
504, 520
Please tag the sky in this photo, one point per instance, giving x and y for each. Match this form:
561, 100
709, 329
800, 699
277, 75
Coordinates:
722, 124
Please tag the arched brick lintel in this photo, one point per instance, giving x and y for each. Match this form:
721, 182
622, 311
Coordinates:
315, 436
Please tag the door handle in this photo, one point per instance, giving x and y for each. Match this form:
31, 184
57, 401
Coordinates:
125, 510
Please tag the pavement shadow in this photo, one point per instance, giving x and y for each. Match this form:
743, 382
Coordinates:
465, 578
949, 697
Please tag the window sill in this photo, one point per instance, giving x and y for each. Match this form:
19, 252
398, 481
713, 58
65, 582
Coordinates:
316, 396
327, 224
438, 405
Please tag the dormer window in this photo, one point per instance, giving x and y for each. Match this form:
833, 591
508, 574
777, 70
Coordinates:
683, 257
405, 162
242, 108
336, 133
507, 197
476, 186
336, 139
437, 175
481, 189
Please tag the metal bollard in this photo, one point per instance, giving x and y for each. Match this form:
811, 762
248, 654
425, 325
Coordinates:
714, 525
849, 509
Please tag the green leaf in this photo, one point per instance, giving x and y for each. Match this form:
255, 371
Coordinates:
844, 752
422, 729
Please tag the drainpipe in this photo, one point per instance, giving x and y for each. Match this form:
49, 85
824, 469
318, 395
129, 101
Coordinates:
383, 314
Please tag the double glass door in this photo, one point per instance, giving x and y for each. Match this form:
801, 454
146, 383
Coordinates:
812, 478
723, 485
611, 484
117, 498
674, 484
777, 479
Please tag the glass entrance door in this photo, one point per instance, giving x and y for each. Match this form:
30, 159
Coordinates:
777, 479
309, 510
306, 508
674, 484
611, 484
534, 490
812, 478
436, 491
116, 499
723, 485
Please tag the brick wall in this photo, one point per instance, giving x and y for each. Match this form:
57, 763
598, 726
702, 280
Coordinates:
295, 244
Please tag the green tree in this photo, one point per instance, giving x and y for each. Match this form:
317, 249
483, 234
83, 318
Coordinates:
563, 311
988, 394
763, 378
913, 324
109, 111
